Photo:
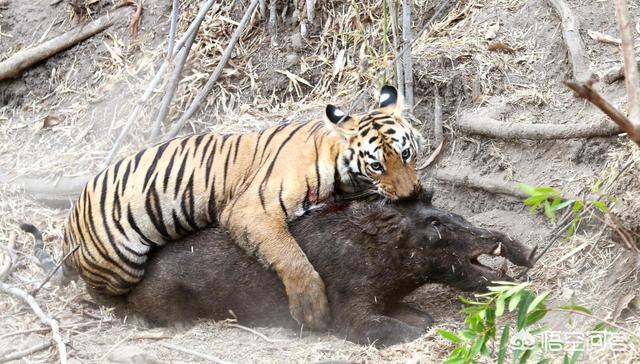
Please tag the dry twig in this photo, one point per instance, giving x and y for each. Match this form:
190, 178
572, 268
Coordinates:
571, 34
206, 357
393, 16
10, 262
432, 157
26, 58
437, 116
53, 324
585, 91
632, 77
258, 334
195, 104
22, 353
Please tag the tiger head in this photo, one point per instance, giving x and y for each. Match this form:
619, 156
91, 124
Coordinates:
381, 149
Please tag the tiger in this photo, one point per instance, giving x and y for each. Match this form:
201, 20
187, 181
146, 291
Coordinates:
252, 184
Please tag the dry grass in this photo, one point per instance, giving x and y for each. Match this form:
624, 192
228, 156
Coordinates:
95, 96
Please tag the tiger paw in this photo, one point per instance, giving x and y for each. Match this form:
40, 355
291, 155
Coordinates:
308, 301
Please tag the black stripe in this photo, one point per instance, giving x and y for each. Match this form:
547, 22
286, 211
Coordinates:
282, 206
206, 149
266, 144
115, 170
235, 153
207, 171
180, 175
136, 228
137, 158
154, 211
211, 206
255, 148
224, 173
273, 162
153, 165
167, 171
187, 205
125, 176
179, 228
317, 168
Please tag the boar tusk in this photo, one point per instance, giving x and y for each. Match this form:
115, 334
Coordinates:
498, 250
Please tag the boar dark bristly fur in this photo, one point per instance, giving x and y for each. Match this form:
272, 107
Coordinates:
369, 256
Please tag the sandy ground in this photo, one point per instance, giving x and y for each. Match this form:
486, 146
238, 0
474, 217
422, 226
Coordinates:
93, 86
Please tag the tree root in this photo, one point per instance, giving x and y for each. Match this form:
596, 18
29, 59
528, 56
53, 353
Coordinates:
482, 183
487, 126
26, 58
58, 193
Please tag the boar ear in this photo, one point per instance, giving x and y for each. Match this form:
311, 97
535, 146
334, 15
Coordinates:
426, 195
388, 226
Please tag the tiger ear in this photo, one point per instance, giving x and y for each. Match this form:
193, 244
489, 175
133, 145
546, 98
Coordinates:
390, 101
336, 115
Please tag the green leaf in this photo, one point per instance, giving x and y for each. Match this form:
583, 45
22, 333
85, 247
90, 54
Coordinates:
449, 335
576, 308
576, 355
549, 212
499, 306
536, 301
525, 356
596, 187
529, 190
469, 302
601, 206
505, 283
577, 207
499, 288
516, 289
514, 300
601, 326
563, 204
504, 340
534, 317
522, 310
468, 334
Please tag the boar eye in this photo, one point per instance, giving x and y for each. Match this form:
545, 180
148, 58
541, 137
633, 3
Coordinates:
434, 221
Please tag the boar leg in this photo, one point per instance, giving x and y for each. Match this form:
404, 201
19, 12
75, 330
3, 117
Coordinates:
411, 316
384, 331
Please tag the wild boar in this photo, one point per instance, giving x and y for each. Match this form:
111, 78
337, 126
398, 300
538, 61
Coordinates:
370, 256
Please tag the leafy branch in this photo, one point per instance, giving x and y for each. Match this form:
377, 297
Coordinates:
520, 310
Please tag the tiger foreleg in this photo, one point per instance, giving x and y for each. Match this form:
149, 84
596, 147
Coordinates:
274, 245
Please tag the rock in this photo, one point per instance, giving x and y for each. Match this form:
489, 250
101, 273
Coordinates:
292, 60
131, 354
296, 41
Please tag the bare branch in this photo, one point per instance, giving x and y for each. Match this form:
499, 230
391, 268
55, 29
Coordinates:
571, 34
585, 91
393, 16
437, 116
407, 65
193, 29
175, 8
195, 104
53, 324
632, 78
171, 88
26, 58
10, 262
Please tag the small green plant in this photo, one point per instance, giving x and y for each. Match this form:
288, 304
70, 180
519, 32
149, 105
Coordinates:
551, 202
519, 310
